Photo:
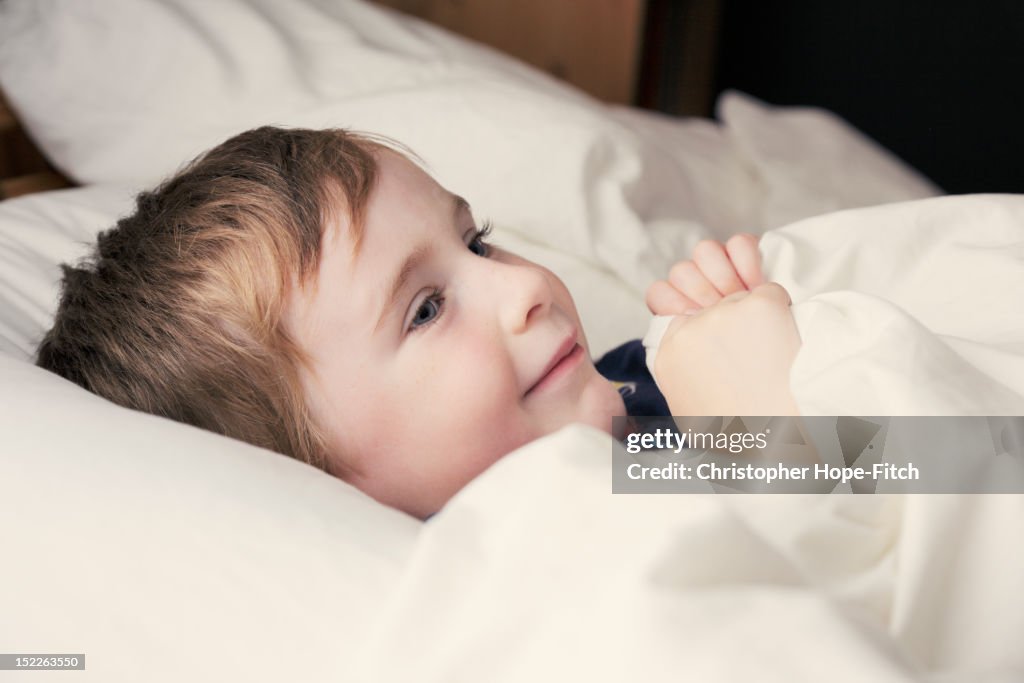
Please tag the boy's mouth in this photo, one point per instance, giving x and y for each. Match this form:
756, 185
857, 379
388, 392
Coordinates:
562, 362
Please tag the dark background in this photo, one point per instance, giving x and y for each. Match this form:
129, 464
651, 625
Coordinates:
938, 82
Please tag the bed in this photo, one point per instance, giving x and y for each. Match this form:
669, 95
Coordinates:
161, 552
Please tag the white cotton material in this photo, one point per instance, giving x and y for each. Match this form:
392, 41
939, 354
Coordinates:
652, 340
537, 572
907, 309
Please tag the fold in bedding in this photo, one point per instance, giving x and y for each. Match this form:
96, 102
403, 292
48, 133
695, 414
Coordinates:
907, 309
536, 572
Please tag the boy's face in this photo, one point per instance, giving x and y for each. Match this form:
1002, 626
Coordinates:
432, 354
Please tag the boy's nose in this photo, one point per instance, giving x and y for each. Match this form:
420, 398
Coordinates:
526, 296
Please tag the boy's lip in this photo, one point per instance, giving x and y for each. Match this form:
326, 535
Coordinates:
563, 357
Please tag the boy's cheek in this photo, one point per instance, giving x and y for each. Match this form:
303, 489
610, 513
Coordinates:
562, 294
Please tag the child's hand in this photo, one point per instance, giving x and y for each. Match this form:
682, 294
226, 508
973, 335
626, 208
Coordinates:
714, 272
733, 358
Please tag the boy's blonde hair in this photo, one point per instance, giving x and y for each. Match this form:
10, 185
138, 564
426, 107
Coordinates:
180, 310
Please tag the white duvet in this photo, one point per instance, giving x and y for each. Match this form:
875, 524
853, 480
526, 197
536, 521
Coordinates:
537, 572
908, 309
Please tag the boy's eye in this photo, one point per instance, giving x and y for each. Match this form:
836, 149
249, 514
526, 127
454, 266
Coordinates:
428, 311
478, 244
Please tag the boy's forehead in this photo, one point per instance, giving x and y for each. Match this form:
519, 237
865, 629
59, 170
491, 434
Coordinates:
398, 178
404, 201
400, 190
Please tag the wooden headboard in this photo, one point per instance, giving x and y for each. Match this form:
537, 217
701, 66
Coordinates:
656, 54
23, 168
593, 44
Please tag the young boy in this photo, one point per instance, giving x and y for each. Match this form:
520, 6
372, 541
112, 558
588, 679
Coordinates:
317, 293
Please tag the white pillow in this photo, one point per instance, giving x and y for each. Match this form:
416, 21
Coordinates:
160, 551
37, 233
125, 91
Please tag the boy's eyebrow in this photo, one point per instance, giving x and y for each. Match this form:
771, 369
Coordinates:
459, 205
412, 262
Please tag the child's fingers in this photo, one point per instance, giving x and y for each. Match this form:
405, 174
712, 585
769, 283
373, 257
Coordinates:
713, 261
746, 259
664, 299
693, 284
